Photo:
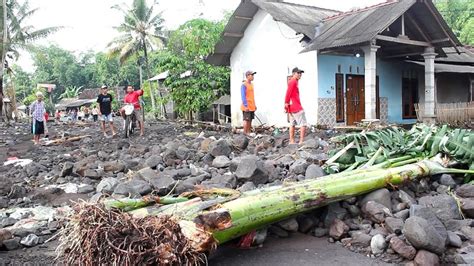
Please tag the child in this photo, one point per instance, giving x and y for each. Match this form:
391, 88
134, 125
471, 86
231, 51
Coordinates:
37, 111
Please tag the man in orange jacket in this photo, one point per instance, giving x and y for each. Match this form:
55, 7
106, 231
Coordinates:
248, 101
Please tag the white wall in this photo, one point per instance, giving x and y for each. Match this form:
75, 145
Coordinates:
272, 49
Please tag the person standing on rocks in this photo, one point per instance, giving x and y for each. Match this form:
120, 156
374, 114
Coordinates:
293, 108
132, 97
95, 113
248, 101
37, 111
105, 110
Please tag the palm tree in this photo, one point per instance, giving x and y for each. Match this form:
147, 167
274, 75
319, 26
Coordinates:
16, 35
140, 32
71, 92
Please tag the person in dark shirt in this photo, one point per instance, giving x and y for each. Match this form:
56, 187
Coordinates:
105, 109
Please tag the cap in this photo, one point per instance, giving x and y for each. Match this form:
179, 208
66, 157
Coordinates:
297, 70
39, 94
104, 87
250, 72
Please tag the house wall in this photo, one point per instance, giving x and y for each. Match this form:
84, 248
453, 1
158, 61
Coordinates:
452, 87
390, 86
272, 49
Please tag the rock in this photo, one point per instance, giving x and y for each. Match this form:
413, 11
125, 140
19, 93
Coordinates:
354, 210
227, 180
205, 143
12, 244
427, 214
311, 144
182, 153
286, 160
305, 224
320, 232
162, 184
92, 174
426, 258
220, 147
67, 169
467, 207
299, 167
5, 235
153, 161
107, 185
30, 240
247, 186
148, 174
447, 180
338, 229
85, 189
360, 238
21, 214
378, 244
404, 197
454, 240
456, 225
402, 214
394, 225
122, 144
443, 206
405, 250
381, 196
290, 225
465, 191
140, 186
314, 171
278, 231
7, 221
169, 156
376, 212
114, 166
240, 142
334, 210
423, 235
251, 169
221, 162
42, 213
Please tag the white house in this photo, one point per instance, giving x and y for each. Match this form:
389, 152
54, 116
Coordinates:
264, 36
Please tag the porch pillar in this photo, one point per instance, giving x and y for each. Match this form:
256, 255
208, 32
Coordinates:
370, 82
430, 92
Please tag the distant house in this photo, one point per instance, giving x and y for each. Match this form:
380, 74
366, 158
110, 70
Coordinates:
382, 62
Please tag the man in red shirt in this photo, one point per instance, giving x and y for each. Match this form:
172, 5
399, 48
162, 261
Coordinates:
293, 108
132, 97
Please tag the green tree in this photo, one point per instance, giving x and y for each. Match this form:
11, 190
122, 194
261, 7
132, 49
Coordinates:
71, 92
21, 82
17, 35
459, 14
140, 33
193, 83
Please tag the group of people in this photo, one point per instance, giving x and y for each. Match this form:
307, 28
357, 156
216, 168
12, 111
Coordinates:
104, 112
295, 113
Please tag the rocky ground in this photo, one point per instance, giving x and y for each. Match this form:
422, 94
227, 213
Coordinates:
423, 223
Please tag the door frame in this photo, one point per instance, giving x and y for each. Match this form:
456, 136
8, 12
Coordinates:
345, 94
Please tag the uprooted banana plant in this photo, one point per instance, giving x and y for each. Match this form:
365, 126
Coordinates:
364, 149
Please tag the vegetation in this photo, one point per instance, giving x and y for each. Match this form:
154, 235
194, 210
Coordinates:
459, 14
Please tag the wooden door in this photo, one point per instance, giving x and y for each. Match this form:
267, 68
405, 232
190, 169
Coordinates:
355, 99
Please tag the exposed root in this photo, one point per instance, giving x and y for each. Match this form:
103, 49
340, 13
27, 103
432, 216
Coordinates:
97, 236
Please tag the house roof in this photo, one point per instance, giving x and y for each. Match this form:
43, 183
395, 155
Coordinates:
447, 68
363, 25
300, 18
452, 56
89, 93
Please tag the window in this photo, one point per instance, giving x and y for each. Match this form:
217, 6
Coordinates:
339, 97
409, 97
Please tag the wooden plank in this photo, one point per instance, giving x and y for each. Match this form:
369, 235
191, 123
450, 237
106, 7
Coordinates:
440, 40
400, 55
441, 25
402, 41
418, 28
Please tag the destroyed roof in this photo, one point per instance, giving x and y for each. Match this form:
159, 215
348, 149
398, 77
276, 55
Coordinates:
465, 57
363, 25
89, 93
300, 18
224, 100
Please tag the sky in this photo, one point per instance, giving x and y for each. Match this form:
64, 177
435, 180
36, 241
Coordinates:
88, 24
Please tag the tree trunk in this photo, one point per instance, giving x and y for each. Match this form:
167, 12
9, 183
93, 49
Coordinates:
151, 84
4, 53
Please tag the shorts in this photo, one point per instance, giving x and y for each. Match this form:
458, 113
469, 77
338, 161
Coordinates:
138, 114
248, 116
107, 118
298, 119
37, 127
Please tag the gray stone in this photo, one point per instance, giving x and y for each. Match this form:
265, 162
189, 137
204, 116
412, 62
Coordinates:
67, 169
299, 167
286, 160
7, 221
305, 224
314, 171
107, 185
376, 212
405, 250
227, 180
220, 147
221, 162
456, 225
360, 238
153, 161
169, 156
30, 240
467, 207
320, 232
162, 184
402, 214
423, 235
251, 169
427, 214
85, 189
290, 225
334, 210
454, 240
12, 244
378, 244
114, 166
447, 180
148, 174
311, 144
275, 230
404, 197
189, 183
465, 191
338, 229
240, 142
394, 225
426, 258
92, 174
234, 163
247, 186
443, 206
381, 196
5, 235
353, 210
182, 153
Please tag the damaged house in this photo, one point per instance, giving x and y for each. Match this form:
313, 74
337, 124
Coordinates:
395, 62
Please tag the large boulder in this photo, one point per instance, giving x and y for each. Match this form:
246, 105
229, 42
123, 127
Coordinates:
443, 206
423, 235
251, 168
220, 147
427, 214
465, 191
381, 196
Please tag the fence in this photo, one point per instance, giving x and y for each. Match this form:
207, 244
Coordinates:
450, 113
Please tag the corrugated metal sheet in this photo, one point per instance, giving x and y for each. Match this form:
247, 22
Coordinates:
465, 57
447, 68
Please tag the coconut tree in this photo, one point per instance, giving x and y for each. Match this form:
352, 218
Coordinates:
140, 32
17, 35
